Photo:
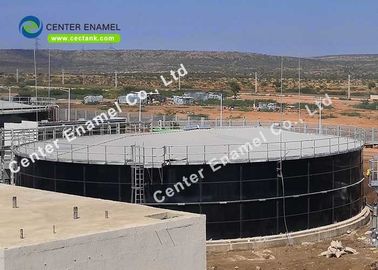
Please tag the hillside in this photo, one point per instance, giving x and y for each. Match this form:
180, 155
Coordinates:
143, 61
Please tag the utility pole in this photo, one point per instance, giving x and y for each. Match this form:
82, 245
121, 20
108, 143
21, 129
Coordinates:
348, 87
68, 90
35, 77
255, 82
35, 69
69, 104
140, 114
299, 88
281, 88
179, 82
320, 115
221, 110
62, 76
17, 75
49, 90
115, 79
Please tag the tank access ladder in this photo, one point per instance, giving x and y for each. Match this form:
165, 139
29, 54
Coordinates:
137, 175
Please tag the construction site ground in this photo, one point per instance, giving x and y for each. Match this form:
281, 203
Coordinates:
303, 256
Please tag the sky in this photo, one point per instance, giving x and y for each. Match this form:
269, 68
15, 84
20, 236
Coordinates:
278, 27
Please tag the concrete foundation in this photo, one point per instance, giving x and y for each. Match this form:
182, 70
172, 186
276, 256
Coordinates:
312, 235
128, 236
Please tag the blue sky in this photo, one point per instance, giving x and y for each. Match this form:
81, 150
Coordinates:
278, 27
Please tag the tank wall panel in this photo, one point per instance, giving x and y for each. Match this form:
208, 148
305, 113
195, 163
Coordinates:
240, 200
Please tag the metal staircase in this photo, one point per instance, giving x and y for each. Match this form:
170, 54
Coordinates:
6, 156
9, 139
137, 175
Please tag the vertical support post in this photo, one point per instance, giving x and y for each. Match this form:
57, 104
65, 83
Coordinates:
338, 145
75, 212
105, 154
347, 138
152, 156
348, 97
187, 154
221, 111
14, 202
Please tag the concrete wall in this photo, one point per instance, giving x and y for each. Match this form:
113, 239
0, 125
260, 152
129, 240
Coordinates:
178, 243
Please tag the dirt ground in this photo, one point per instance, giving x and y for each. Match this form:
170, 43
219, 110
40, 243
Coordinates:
303, 257
334, 116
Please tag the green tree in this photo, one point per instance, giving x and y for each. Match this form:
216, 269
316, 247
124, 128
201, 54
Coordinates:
263, 83
277, 84
234, 87
371, 85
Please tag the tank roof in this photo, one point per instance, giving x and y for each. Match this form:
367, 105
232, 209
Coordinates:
195, 146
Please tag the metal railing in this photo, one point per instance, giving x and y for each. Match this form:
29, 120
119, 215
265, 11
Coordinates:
338, 140
37, 101
371, 136
165, 120
26, 105
373, 173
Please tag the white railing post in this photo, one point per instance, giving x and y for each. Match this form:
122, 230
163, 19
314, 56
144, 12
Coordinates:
187, 154
125, 155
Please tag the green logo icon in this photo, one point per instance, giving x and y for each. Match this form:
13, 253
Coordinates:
30, 27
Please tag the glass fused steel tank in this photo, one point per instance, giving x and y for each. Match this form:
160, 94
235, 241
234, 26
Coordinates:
321, 184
